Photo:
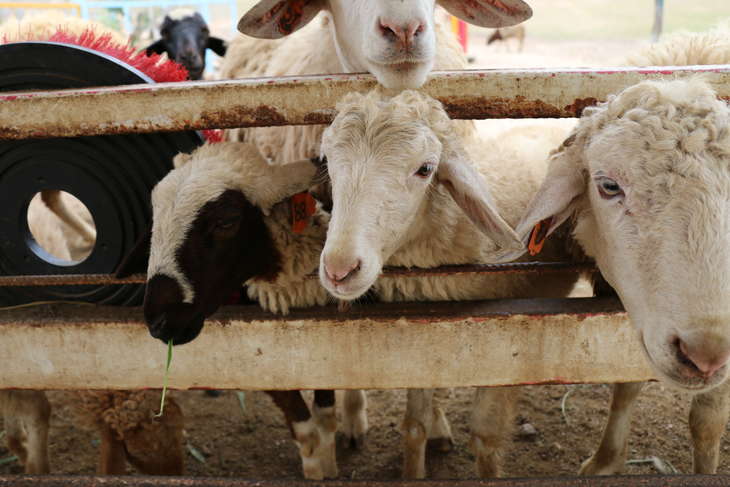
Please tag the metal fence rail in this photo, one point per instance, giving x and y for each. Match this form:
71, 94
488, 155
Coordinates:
444, 270
477, 94
380, 346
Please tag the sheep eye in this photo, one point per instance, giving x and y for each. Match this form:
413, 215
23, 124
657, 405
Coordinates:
608, 188
226, 224
425, 170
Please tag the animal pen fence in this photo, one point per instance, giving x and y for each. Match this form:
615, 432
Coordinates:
539, 341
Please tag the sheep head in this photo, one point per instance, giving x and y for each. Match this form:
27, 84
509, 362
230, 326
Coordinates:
185, 38
647, 178
208, 234
386, 156
395, 41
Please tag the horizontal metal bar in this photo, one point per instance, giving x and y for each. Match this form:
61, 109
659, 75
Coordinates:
510, 268
145, 481
382, 346
474, 94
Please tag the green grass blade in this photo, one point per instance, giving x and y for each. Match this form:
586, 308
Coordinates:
164, 381
6, 460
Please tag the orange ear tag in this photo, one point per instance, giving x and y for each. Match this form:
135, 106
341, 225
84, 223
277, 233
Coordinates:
302, 207
538, 235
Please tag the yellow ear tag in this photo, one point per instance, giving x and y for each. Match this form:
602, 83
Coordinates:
302, 207
538, 235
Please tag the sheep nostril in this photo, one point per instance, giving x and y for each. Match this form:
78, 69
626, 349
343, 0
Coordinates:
339, 274
700, 362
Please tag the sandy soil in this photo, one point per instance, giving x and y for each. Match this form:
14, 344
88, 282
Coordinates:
256, 443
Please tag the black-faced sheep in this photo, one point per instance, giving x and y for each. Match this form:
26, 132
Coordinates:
406, 193
222, 218
185, 37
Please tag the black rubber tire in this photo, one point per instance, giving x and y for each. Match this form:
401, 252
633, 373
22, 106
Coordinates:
112, 175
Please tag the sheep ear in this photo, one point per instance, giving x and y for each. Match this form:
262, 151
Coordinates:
489, 13
157, 47
472, 195
554, 202
181, 159
274, 19
217, 45
136, 260
287, 180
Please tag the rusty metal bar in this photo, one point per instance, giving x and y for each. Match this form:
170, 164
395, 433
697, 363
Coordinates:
380, 346
146, 481
445, 270
474, 94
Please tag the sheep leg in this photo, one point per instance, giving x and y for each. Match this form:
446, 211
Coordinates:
112, 457
324, 415
52, 199
355, 418
491, 418
610, 457
26, 416
440, 437
304, 430
708, 416
416, 428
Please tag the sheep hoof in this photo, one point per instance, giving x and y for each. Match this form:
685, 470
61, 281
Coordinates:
441, 444
352, 442
592, 466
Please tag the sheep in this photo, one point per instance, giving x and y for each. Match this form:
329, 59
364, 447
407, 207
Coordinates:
221, 218
687, 49
43, 25
26, 416
643, 182
353, 36
405, 193
679, 50
185, 38
124, 419
515, 32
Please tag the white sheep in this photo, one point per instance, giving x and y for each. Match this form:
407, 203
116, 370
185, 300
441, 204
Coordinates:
406, 193
709, 412
225, 216
644, 183
124, 419
399, 42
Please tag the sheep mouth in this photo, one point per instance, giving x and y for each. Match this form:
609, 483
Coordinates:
403, 66
178, 327
681, 373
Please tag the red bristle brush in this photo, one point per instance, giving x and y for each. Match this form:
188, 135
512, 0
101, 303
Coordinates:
161, 71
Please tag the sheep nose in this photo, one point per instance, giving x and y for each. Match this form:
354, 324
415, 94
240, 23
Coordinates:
156, 325
340, 271
706, 359
404, 33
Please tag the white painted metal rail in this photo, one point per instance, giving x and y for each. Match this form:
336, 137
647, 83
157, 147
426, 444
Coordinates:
477, 94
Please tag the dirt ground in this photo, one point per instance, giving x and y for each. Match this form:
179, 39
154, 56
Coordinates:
255, 443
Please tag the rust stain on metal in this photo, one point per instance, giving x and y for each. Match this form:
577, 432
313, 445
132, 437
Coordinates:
578, 105
518, 107
319, 117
